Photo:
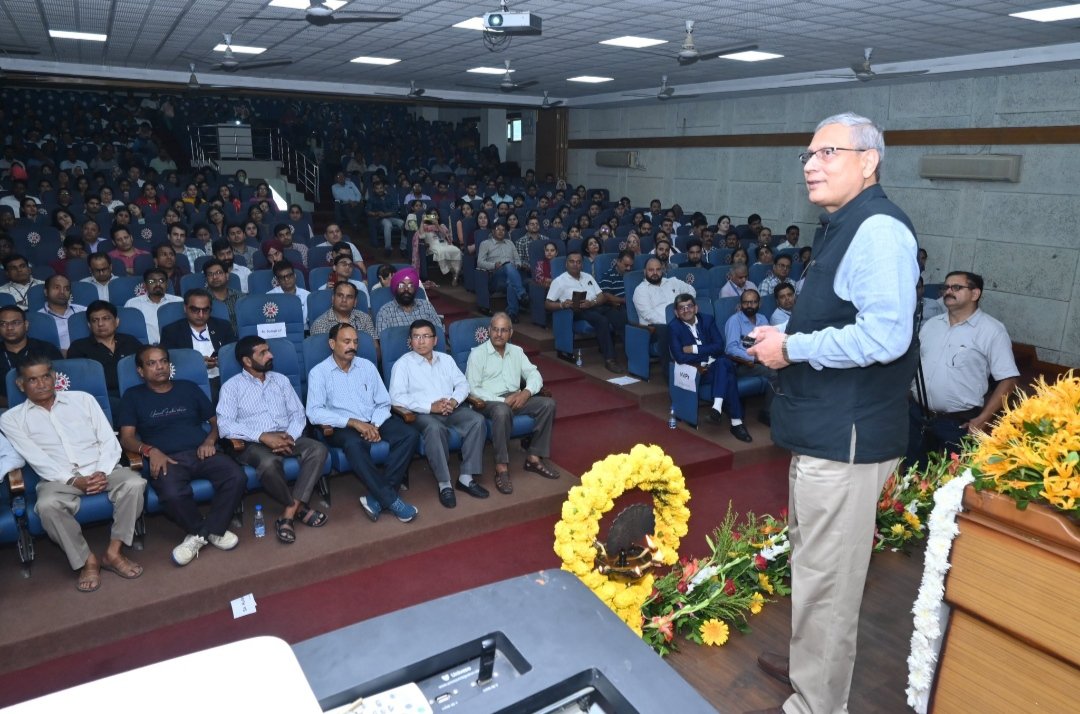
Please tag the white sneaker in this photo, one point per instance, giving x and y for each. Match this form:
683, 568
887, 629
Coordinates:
188, 550
225, 541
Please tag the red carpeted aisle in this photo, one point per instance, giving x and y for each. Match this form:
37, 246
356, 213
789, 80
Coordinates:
323, 606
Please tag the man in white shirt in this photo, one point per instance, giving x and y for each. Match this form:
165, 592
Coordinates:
577, 291
66, 439
429, 384
286, 284
101, 274
785, 301
154, 296
651, 299
19, 279
791, 239
59, 307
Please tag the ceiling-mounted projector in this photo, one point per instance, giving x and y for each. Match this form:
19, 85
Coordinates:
513, 23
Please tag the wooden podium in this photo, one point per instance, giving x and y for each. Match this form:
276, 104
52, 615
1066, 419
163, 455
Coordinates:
1013, 639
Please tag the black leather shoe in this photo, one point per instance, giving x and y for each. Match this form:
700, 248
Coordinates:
740, 433
775, 665
447, 497
714, 416
474, 489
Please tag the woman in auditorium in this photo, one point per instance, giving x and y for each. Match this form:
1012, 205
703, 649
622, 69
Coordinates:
542, 269
201, 233
217, 222
64, 222
433, 239
296, 218
252, 231
633, 244
136, 213
723, 225
483, 223
262, 193
227, 198
150, 198
464, 226
592, 247
125, 251
584, 222
764, 255
191, 195
512, 225
740, 256
171, 217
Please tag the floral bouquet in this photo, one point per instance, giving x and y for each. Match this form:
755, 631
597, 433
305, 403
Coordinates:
1033, 451
907, 498
702, 598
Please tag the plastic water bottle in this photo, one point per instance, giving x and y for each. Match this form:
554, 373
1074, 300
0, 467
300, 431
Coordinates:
18, 506
577, 357
672, 422
260, 522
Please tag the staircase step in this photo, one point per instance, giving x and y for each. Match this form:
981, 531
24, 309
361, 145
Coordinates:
582, 397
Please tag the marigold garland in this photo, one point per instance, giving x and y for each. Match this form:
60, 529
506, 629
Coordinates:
649, 469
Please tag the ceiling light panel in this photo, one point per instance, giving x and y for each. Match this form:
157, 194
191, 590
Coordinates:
1050, 14
304, 4
632, 41
490, 70
72, 35
751, 56
383, 61
240, 49
589, 79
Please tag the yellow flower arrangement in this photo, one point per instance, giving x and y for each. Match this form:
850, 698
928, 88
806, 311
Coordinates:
649, 469
1033, 451
757, 602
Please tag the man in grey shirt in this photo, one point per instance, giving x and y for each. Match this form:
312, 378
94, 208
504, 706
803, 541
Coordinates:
500, 258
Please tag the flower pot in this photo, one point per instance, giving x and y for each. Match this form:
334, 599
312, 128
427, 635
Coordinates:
1014, 590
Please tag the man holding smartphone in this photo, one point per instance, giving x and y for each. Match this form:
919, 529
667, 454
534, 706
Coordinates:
200, 331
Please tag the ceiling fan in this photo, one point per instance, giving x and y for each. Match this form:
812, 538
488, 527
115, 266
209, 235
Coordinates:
321, 15
194, 85
864, 72
414, 93
689, 53
231, 64
507, 84
665, 92
548, 103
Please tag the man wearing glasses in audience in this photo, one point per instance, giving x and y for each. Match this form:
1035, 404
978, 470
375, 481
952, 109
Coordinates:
217, 284
738, 326
961, 351
200, 332
154, 282
286, 284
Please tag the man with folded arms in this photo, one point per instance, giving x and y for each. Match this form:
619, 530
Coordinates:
259, 407
430, 384
495, 372
169, 418
345, 392
69, 443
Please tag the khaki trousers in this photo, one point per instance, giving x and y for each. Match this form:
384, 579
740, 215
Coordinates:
832, 510
57, 504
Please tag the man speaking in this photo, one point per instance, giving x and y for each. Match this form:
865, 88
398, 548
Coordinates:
845, 361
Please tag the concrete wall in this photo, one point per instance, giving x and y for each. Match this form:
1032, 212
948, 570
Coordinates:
1023, 238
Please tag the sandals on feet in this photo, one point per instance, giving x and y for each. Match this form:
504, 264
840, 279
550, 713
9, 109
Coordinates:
310, 517
125, 568
89, 579
502, 482
284, 529
539, 467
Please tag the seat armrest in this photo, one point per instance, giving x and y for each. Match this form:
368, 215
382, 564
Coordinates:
406, 416
475, 402
15, 481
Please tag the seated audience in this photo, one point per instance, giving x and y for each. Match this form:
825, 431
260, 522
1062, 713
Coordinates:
500, 373
19, 278
17, 346
500, 258
59, 307
343, 309
285, 274
334, 238
651, 299
405, 308
224, 253
217, 284
346, 393
695, 255
429, 384
164, 421
236, 238
105, 345
695, 338
738, 326
433, 238
259, 407
66, 439
577, 291
101, 274
200, 332
791, 239
541, 273
737, 282
154, 282
785, 301
124, 248
780, 273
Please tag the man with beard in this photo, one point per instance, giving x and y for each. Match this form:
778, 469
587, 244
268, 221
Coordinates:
745, 320
163, 420
651, 299
695, 257
238, 243
165, 258
259, 407
343, 309
223, 252
405, 307
696, 339
154, 281
346, 393
217, 284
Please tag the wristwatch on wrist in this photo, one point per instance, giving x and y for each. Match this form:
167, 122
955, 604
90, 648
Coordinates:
783, 349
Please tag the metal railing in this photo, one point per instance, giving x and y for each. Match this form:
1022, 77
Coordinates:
211, 143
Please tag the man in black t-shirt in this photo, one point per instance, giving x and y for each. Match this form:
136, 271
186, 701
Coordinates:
176, 448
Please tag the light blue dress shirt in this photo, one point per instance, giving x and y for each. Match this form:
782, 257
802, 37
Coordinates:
335, 396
